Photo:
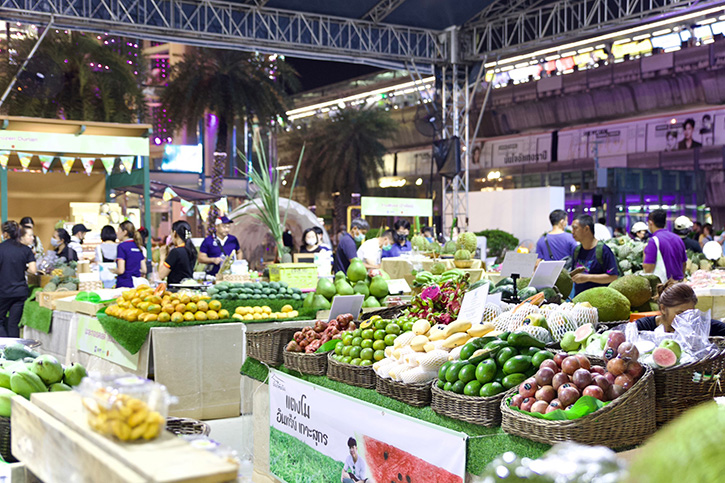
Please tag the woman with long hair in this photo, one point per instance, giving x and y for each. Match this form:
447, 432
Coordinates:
60, 242
129, 257
16, 259
180, 261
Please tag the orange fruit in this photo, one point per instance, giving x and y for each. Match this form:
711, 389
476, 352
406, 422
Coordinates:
164, 317
200, 315
191, 307
177, 317
195, 298
202, 306
223, 314
188, 316
184, 299
180, 308
212, 315
215, 305
168, 308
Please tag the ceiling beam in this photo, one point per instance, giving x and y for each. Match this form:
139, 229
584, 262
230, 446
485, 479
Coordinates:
380, 11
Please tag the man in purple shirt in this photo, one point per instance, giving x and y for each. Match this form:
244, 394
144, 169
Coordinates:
348, 243
557, 244
671, 247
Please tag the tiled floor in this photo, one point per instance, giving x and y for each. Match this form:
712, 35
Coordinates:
237, 434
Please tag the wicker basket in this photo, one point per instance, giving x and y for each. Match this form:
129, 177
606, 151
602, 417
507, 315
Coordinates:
417, 395
267, 345
675, 390
387, 313
314, 364
360, 376
484, 411
626, 421
180, 426
5, 446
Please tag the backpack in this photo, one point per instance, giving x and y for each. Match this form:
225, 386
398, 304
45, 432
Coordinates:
599, 252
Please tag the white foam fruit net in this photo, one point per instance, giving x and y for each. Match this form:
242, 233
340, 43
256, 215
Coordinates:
539, 333
490, 312
560, 323
502, 322
516, 319
581, 315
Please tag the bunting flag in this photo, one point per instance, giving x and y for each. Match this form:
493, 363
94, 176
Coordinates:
169, 194
203, 211
67, 164
127, 163
222, 205
108, 164
187, 207
4, 158
88, 164
45, 162
25, 159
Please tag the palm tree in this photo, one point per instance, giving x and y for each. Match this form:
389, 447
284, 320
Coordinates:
342, 152
73, 76
234, 86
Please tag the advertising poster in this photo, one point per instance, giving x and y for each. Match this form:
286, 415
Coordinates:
499, 153
324, 436
688, 131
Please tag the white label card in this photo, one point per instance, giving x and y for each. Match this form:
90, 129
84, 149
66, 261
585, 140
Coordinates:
398, 286
546, 274
473, 305
346, 304
520, 263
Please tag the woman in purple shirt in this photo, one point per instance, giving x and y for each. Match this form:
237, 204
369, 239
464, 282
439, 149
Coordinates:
129, 257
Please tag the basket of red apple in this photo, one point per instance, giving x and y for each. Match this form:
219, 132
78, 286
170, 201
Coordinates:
576, 398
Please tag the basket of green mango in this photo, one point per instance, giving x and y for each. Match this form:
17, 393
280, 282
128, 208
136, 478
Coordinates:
471, 389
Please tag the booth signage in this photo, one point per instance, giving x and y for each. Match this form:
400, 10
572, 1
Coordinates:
311, 427
93, 339
378, 206
48, 142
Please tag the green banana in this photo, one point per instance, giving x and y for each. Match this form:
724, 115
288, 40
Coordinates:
5, 396
5, 378
25, 383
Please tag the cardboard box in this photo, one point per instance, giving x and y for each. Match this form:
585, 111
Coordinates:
297, 275
48, 299
72, 305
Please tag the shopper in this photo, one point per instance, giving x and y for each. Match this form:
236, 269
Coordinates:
347, 244
61, 244
682, 227
639, 232
675, 298
665, 246
618, 231
354, 470
373, 250
144, 236
79, 234
696, 230
321, 236
596, 258
601, 232
180, 261
129, 257
706, 235
402, 230
16, 260
556, 244
428, 234
216, 248
311, 241
106, 251
37, 245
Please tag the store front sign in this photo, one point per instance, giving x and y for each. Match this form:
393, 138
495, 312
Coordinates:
377, 206
59, 143
91, 338
311, 427
516, 151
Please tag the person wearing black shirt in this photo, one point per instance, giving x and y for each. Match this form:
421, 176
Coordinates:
15, 260
180, 261
674, 299
60, 243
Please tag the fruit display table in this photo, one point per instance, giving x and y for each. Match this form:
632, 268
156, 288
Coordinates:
713, 300
401, 267
52, 331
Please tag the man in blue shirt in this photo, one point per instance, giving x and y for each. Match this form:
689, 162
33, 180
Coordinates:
215, 248
348, 243
596, 258
402, 230
556, 244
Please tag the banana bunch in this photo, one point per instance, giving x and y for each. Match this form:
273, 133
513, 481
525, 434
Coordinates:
125, 417
425, 278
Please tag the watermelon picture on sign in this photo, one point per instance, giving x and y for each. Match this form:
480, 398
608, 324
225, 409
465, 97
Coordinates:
387, 463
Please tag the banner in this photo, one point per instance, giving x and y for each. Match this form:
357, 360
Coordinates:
203, 211
312, 429
513, 151
222, 205
88, 164
380, 206
4, 158
45, 162
169, 194
67, 164
25, 159
127, 163
70, 143
187, 207
108, 164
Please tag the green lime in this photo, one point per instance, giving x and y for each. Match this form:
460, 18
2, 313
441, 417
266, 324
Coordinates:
357, 340
347, 339
379, 355
392, 329
355, 351
366, 343
346, 350
356, 361
467, 373
390, 339
486, 371
379, 334
346, 360
458, 387
338, 348
356, 332
473, 388
366, 362
379, 345
408, 326
367, 333
367, 354
381, 323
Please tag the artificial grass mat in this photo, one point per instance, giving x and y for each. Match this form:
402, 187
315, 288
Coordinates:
36, 317
484, 444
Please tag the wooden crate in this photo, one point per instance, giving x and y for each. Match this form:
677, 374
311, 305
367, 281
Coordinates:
52, 437
47, 299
